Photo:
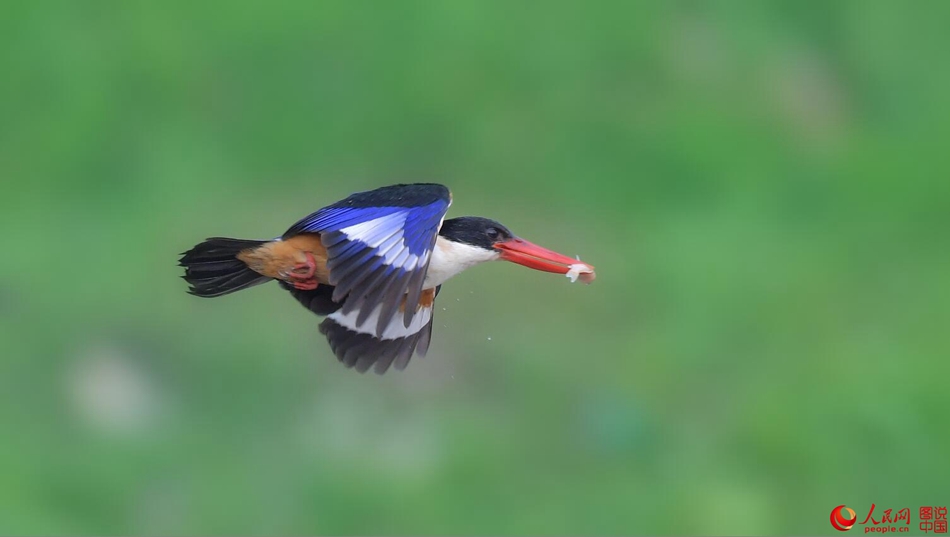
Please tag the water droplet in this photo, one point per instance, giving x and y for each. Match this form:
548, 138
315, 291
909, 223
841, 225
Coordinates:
489, 338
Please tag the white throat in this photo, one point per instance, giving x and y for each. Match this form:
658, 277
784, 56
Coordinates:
450, 258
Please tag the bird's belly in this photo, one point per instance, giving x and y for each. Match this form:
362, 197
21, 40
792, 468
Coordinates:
276, 259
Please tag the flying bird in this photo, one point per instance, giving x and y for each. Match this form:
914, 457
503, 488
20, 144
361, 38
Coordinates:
373, 265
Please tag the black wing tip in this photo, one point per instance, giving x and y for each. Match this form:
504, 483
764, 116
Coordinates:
363, 352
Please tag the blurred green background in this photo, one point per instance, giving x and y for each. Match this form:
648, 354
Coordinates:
763, 187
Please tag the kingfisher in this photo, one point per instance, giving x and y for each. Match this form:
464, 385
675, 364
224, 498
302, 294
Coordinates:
372, 265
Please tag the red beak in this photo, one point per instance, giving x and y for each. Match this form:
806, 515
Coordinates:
533, 256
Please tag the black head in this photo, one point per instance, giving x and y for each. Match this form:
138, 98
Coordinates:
489, 235
475, 231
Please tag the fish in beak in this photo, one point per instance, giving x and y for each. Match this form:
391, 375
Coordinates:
522, 252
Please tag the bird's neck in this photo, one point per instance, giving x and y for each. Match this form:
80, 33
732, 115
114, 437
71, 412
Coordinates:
450, 258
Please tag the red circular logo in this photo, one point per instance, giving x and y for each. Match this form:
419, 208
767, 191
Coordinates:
840, 521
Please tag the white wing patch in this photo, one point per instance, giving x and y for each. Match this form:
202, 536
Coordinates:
374, 232
394, 330
386, 234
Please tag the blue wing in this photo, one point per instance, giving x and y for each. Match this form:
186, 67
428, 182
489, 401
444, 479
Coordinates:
379, 244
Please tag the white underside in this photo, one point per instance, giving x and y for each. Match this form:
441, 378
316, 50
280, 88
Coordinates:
395, 330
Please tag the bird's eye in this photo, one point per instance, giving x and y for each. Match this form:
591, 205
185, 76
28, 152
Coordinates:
492, 233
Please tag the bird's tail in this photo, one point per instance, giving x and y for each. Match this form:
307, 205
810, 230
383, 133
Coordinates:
213, 269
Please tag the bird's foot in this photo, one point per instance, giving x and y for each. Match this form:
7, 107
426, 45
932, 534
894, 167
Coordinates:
305, 286
301, 275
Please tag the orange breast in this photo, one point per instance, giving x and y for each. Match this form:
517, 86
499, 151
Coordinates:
426, 300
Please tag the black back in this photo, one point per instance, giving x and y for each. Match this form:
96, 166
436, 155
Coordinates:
403, 195
412, 195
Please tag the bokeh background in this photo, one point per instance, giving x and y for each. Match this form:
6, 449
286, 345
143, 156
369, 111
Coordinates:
762, 186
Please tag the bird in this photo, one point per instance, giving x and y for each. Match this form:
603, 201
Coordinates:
372, 265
